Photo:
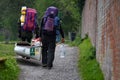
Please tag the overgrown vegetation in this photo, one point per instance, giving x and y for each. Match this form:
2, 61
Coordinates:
89, 68
76, 42
8, 70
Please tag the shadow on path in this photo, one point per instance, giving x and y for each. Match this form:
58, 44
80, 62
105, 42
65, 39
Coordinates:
28, 62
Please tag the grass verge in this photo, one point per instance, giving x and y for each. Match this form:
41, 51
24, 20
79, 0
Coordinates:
88, 67
9, 70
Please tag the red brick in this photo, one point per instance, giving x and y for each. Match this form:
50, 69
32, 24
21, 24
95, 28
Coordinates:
105, 32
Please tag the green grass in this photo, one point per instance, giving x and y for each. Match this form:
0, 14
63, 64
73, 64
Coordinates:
9, 70
1, 37
76, 42
88, 67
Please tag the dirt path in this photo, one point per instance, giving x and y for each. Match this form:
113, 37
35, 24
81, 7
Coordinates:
63, 68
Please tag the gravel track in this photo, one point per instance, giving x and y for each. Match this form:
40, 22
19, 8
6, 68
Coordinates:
63, 68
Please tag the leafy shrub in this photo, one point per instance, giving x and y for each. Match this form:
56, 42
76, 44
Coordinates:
88, 66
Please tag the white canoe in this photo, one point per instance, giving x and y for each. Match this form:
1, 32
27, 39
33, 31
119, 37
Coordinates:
28, 51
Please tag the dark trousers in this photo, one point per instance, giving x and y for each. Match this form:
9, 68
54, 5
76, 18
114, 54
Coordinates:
26, 36
48, 50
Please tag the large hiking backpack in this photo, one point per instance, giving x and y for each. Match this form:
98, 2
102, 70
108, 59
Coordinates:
50, 18
49, 24
30, 19
52, 22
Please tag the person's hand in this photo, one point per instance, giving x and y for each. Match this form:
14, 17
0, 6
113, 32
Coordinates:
37, 39
63, 40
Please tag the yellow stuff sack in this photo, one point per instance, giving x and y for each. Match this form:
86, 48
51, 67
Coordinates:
22, 18
23, 10
23, 14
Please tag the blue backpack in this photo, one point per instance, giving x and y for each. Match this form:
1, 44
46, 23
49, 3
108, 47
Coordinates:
57, 25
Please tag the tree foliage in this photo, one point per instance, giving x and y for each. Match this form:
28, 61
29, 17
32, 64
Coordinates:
70, 11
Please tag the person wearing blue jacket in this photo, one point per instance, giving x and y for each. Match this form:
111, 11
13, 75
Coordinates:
48, 39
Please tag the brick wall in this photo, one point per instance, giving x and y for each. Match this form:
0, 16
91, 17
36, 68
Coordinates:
89, 20
101, 21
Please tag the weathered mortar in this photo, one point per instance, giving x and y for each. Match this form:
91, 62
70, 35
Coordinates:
101, 21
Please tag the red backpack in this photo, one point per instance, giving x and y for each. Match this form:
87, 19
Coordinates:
30, 19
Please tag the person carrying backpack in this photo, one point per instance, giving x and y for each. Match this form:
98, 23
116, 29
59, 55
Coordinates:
49, 27
28, 24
